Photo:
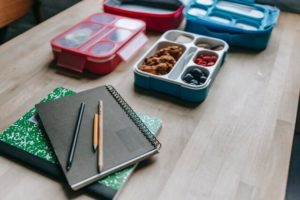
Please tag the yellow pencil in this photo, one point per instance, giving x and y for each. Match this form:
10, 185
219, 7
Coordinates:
96, 131
100, 137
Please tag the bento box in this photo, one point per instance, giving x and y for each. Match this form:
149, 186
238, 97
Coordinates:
181, 64
99, 43
240, 23
159, 15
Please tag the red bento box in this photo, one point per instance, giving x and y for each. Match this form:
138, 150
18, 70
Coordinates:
157, 18
99, 43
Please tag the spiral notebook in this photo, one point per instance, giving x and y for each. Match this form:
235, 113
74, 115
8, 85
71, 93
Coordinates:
126, 138
26, 143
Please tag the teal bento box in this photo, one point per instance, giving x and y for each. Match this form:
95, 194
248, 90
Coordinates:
181, 64
240, 23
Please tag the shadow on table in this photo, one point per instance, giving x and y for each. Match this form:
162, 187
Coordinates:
73, 74
53, 172
167, 98
293, 185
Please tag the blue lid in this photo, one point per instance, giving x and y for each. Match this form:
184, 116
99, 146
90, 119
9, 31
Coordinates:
234, 15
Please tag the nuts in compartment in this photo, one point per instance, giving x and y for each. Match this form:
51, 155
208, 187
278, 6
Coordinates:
163, 60
206, 58
195, 76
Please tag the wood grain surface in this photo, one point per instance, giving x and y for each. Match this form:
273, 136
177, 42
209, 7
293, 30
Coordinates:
235, 145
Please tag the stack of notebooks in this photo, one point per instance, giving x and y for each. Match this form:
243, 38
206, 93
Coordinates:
42, 138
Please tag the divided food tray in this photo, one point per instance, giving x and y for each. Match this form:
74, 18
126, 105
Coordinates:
99, 43
240, 23
183, 79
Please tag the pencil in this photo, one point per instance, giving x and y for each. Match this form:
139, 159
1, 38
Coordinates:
96, 131
100, 137
75, 137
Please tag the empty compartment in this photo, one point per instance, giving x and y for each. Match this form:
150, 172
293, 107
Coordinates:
162, 58
79, 35
195, 76
247, 25
120, 35
103, 18
206, 58
205, 2
211, 44
240, 9
129, 24
197, 12
98, 37
180, 37
103, 48
221, 18
182, 63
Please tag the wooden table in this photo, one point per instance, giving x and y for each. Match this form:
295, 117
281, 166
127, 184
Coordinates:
235, 145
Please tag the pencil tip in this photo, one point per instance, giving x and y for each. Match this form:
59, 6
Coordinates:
68, 167
95, 147
100, 168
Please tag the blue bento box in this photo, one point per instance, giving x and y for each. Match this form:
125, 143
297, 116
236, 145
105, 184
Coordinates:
182, 80
240, 23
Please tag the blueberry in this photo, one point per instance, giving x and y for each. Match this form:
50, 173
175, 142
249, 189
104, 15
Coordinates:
202, 79
197, 73
194, 82
188, 77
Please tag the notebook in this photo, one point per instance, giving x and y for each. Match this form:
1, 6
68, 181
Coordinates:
24, 141
126, 139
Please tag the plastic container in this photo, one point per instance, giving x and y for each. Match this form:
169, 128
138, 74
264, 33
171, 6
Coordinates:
159, 15
174, 82
240, 23
99, 43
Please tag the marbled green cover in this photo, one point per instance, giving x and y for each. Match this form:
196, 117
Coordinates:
26, 134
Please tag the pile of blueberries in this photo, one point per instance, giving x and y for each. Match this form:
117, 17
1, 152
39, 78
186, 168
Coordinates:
195, 76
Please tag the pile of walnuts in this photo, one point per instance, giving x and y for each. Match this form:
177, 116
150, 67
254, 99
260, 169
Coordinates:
162, 61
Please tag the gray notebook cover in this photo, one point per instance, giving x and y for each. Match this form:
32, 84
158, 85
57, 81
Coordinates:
125, 140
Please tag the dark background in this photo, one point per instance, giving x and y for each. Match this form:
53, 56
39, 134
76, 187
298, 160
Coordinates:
40, 11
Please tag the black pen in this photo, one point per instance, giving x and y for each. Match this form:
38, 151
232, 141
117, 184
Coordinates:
75, 137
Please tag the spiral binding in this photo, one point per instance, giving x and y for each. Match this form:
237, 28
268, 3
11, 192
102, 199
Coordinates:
134, 117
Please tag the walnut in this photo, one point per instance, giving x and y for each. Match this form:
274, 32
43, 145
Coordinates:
149, 69
162, 61
174, 51
167, 59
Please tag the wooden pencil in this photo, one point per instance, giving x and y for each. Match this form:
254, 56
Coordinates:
96, 131
100, 137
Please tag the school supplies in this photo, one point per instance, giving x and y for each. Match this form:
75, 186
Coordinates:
126, 139
75, 137
25, 141
100, 136
96, 131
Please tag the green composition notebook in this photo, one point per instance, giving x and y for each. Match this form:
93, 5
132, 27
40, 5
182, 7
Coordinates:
24, 140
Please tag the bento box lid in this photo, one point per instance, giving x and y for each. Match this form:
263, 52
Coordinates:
235, 15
